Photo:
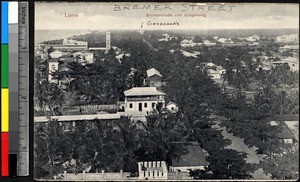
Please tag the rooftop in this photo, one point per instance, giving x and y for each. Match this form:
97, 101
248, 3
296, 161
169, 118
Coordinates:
143, 91
153, 71
285, 133
195, 157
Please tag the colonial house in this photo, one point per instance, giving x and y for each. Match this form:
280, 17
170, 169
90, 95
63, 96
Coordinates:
142, 100
194, 159
85, 55
154, 77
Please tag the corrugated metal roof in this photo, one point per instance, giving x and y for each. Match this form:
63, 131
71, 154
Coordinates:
142, 91
195, 157
285, 133
153, 71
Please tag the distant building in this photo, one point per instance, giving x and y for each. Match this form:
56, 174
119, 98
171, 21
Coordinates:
187, 43
142, 100
57, 54
71, 42
85, 55
208, 43
172, 107
290, 127
107, 41
214, 74
166, 37
253, 38
289, 47
223, 40
194, 159
291, 61
287, 38
154, 77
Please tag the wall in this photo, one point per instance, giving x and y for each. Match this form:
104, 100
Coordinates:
135, 106
97, 176
185, 168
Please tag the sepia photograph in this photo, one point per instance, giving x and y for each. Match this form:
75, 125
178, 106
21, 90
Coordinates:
166, 91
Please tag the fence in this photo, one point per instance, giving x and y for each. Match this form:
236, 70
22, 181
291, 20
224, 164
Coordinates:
90, 109
97, 176
77, 117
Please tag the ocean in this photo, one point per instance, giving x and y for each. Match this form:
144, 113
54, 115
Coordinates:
45, 35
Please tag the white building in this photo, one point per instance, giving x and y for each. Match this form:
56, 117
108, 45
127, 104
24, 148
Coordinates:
142, 100
57, 54
85, 55
172, 107
214, 74
74, 42
287, 38
152, 170
252, 38
154, 77
187, 43
208, 43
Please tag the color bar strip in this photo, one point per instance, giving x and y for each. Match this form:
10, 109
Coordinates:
4, 154
4, 23
4, 90
4, 109
4, 66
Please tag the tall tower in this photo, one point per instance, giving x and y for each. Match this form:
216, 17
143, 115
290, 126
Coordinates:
108, 45
52, 67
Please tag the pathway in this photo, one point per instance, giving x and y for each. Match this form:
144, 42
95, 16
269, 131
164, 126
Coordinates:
238, 144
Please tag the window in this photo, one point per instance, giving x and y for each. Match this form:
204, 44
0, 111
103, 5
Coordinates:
153, 104
130, 105
145, 105
53, 68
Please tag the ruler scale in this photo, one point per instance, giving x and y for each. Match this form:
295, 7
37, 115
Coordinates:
23, 90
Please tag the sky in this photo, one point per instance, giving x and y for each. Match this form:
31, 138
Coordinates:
109, 16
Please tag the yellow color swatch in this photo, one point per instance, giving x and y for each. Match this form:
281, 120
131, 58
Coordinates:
4, 109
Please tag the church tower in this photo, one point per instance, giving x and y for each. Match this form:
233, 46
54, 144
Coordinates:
108, 45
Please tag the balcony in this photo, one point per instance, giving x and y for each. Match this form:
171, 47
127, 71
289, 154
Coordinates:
156, 98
